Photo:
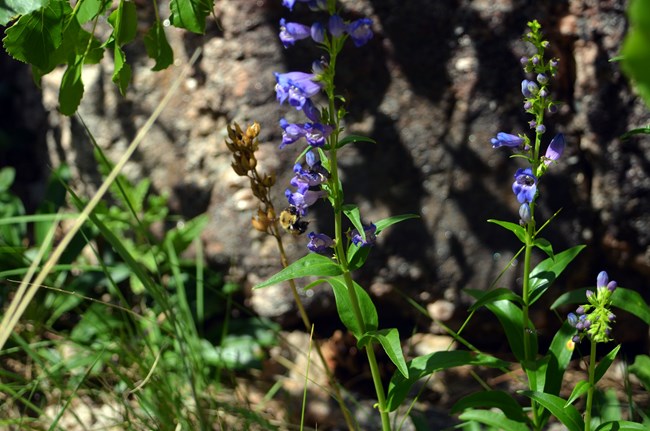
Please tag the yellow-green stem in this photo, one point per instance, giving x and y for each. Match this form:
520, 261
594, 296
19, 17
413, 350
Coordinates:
592, 385
532, 375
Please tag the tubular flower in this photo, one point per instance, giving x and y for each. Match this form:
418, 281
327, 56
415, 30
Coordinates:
371, 237
506, 140
297, 87
290, 32
336, 25
555, 149
292, 132
525, 185
303, 199
360, 31
317, 133
319, 242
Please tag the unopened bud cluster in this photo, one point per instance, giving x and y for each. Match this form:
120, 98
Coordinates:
243, 145
594, 318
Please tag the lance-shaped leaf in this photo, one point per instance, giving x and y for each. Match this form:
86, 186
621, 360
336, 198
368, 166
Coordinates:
311, 265
346, 310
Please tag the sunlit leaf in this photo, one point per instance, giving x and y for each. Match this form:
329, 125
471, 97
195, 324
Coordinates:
495, 419
492, 399
157, 47
72, 88
389, 340
190, 14
10, 9
636, 55
312, 264
346, 310
567, 414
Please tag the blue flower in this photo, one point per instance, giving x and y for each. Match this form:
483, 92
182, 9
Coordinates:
506, 140
336, 25
529, 88
371, 237
304, 198
290, 32
555, 149
524, 213
319, 242
290, 3
360, 31
312, 177
525, 185
317, 32
292, 132
297, 87
317, 133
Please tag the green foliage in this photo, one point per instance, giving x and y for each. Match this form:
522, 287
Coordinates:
636, 47
46, 34
641, 369
567, 414
390, 341
346, 310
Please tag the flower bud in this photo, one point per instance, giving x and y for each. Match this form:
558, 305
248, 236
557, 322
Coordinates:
580, 310
611, 286
542, 78
524, 213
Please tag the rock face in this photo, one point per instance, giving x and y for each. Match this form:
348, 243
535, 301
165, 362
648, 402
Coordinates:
439, 79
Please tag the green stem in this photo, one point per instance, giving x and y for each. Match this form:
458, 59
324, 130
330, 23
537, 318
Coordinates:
592, 387
528, 357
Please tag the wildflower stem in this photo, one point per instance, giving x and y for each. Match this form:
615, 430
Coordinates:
532, 375
590, 391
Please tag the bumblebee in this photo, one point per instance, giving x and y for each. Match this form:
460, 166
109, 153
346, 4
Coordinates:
290, 221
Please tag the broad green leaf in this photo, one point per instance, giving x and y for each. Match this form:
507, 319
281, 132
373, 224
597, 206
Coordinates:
492, 399
547, 271
72, 88
495, 295
10, 9
357, 256
621, 426
567, 414
512, 227
422, 366
497, 420
389, 340
35, 37
124, 21
510, 316
346, 311
122, 71
312, 264
635, 53
604, 364
545, 246
579, 390
625, 299
89, 9
641, 369
190, 14
559, 354
157, 47
353, 139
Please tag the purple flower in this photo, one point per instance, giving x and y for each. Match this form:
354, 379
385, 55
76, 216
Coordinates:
371, 238
317, 133
540, 129
290, 3
336, 25
318, 32
290, 32
297, 87
312, 177
524, 213
319, 242
506, 140
303, 199
555, 149
602, 280
573, 319
360, 31
612, 285
292, 132
529, 88
311, 111
525, 185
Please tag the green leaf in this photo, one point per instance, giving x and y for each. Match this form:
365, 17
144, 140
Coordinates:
352, 213
389, 221
621, 426
510, 316
559, 356
124, 21
89, 9
567, 414
495, 295
72, 88
312, 264
424, 365
512, 227
346, 311
190, 14
10, 9
353, 139
545, 246
579, 390
635, 52
547, 271
7, 176
389, 340
641, 369
604, 364
157, 47
183, 235
492, 399
122, 71
35, 37
497, 420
